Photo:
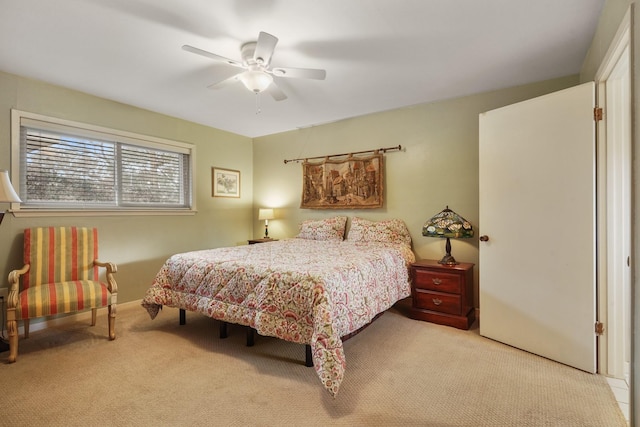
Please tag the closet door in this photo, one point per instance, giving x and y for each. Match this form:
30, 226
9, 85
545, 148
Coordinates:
537, 276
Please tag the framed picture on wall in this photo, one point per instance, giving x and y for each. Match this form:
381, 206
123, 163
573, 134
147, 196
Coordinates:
225, 182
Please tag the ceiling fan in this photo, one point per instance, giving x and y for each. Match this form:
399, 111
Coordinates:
256, 61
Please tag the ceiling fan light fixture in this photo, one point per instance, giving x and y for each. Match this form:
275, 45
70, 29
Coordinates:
256, 81
258, 75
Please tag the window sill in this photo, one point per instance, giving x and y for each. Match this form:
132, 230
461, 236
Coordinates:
24, 213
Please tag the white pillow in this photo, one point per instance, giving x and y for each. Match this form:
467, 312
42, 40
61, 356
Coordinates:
323, 229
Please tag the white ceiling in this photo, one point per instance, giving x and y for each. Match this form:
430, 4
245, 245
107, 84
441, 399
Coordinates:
379, 54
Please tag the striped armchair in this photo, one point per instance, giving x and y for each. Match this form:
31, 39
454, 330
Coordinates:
60, 275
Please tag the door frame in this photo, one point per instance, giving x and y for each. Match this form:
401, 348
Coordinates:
616, 336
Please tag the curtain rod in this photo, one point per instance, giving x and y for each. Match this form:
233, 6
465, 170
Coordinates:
383, 150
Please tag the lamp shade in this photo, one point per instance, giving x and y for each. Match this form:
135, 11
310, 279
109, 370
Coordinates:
265, 214
7, 193
447, 223
256, 81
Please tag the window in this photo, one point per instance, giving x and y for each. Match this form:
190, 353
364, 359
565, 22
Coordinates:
65, 165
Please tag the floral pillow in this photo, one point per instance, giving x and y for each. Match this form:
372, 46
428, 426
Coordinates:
391, 230
323, 229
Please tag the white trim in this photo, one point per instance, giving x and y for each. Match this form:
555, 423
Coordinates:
25, 118
610, 298
35, 213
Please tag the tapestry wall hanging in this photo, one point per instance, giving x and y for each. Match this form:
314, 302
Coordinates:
352, 183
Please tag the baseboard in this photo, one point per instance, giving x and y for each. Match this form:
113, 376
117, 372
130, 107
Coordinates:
83, 316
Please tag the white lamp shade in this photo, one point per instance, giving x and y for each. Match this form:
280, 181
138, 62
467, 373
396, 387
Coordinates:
256, 81
7, 193
265, 214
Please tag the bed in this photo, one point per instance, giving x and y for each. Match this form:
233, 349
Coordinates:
313, 289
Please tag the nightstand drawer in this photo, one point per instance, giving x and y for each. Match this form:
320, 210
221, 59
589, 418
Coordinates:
437, 281
437, 301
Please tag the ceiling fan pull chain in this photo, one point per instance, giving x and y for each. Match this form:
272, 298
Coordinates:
258, 103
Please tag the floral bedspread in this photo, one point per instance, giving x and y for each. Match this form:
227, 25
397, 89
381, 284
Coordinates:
304, 291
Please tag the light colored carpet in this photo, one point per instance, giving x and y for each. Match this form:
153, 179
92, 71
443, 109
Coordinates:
400, 372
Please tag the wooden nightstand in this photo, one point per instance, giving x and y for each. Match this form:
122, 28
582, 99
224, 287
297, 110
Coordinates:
263, 240
442, 294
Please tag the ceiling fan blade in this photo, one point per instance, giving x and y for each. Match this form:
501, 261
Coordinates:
264, 48
225, 82
212, 55
276, 92
300, 73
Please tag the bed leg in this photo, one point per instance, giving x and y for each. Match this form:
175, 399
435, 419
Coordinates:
223, 330
308, 359
249, 336
183, 316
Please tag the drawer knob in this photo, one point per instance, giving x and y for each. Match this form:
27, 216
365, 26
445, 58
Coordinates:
437, 301
436, 281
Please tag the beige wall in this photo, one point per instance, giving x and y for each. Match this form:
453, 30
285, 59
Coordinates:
137, 244
438, 165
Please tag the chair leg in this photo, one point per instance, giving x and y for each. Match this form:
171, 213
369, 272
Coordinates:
112, 322
12, 329
25, 324
94, 312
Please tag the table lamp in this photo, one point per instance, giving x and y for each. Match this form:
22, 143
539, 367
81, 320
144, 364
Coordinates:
448, 224
266, 214
7, 195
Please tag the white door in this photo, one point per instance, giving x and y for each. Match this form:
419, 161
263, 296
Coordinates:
537, 207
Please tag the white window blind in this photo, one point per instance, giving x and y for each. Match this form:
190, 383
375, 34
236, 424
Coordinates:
152, 177
69, 167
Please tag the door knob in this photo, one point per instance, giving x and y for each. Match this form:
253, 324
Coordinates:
484, 238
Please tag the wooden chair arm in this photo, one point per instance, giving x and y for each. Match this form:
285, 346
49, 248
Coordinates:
111, 268
14, 285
